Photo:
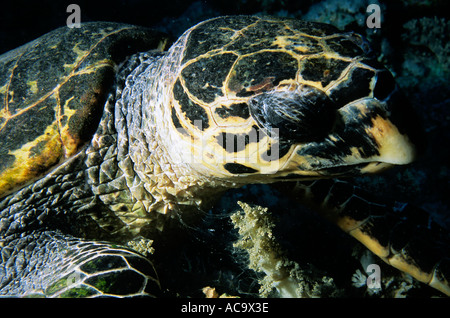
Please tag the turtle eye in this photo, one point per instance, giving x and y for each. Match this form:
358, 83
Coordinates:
302, 114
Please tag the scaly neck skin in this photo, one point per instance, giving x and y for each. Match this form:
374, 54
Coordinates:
153, 178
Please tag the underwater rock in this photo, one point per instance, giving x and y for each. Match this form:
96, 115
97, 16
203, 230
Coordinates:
432, 33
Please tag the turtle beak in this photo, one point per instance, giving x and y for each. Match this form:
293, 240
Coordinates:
366, 137
393, 147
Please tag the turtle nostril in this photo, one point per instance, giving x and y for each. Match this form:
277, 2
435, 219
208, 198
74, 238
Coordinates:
300, 115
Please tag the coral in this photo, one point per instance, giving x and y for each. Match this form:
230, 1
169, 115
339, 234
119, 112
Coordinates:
210, 292
400, 288
255, 226
142, 245
393, 283
359, 279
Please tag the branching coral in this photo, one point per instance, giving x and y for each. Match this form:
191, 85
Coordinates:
255, 226
142, 245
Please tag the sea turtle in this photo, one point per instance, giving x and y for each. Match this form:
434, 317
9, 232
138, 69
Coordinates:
106, 137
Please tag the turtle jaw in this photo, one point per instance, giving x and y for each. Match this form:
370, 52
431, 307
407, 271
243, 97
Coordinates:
364, 140
393, 147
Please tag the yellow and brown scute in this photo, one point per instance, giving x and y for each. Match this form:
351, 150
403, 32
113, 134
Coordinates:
52, 94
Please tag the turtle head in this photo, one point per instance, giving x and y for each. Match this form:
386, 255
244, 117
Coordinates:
261, 99
323, 138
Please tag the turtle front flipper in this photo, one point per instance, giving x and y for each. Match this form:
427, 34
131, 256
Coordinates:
400, 234
50, 264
